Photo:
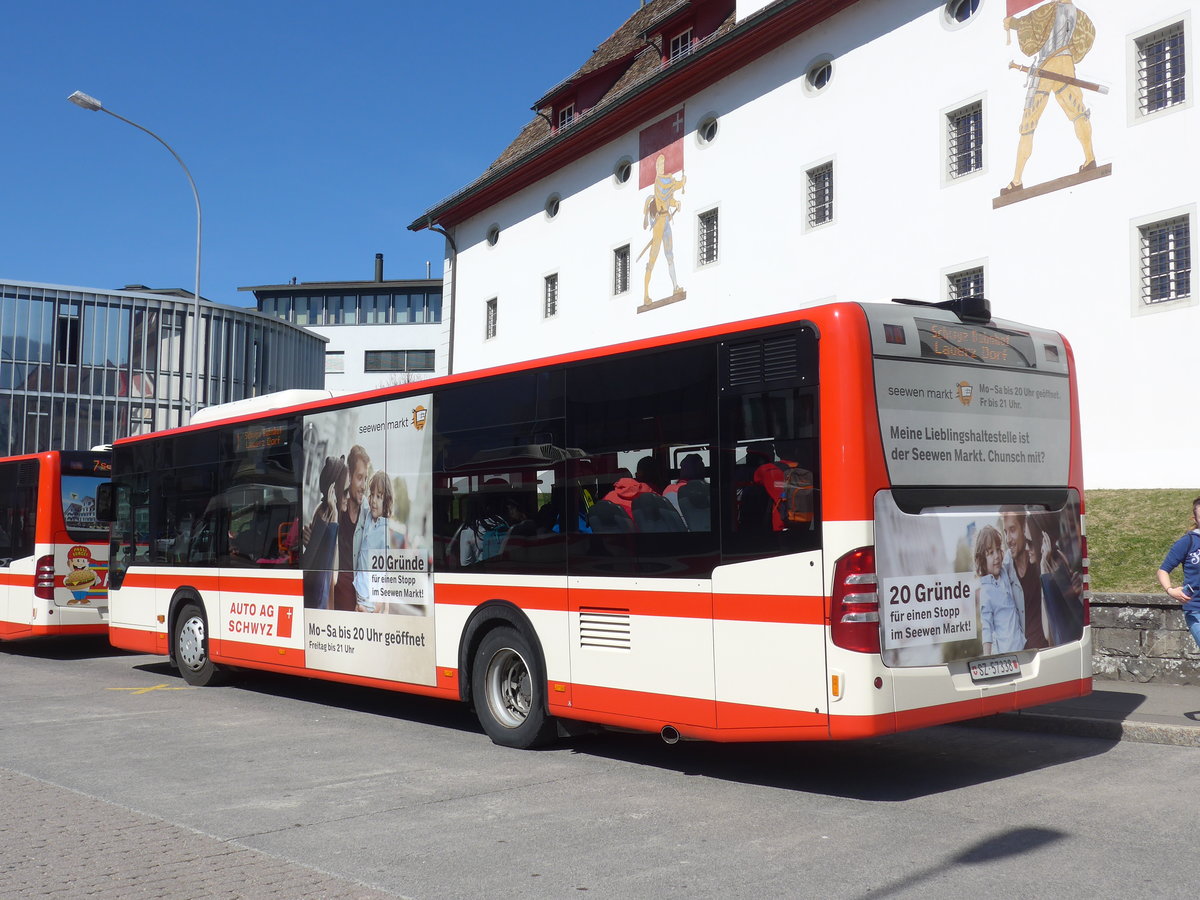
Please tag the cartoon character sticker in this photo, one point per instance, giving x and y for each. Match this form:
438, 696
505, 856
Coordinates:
81, 577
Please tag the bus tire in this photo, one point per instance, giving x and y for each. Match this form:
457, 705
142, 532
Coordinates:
191, 647
510, 692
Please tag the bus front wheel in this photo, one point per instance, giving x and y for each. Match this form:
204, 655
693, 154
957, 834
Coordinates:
509, 691
191, 648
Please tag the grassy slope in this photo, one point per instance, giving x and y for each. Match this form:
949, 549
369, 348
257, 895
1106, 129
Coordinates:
1128, 534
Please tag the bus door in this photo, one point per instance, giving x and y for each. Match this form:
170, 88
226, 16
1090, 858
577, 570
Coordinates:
769, 608
641, 563
18, 515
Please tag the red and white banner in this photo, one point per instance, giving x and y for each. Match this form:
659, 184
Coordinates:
1017, 6
664, 137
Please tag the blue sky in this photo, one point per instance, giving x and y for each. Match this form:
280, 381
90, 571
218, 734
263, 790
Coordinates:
315, 131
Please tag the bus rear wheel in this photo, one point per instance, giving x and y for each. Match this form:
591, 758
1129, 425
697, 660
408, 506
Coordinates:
509, 691
191, 648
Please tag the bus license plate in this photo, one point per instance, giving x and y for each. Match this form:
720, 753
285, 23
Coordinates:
994, 667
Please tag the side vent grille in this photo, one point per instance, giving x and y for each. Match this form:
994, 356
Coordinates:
601, 627
27, 473
773, 359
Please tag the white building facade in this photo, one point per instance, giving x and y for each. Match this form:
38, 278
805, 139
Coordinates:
756, 156
378, 333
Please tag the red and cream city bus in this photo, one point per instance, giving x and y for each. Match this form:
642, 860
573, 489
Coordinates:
843, 521
53, 552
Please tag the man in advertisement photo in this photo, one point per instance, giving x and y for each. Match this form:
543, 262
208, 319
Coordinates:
359, 464
1027, 571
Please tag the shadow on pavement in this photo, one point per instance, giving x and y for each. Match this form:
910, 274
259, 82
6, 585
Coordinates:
894, 768
897, 767
86, 646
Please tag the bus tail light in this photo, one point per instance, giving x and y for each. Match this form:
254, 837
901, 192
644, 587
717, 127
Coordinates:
43, 578
854, 607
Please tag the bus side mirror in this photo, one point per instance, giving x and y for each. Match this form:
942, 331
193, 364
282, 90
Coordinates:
104, 502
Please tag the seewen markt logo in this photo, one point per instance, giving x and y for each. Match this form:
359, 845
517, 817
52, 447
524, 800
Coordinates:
965, 393
419, 417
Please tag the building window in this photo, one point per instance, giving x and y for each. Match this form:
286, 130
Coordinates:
622, 170
621, 270
553, 202
964, 140
1161, 72
398, 361
493, 235
550, 306
961, 10
566, 115
681, 45
1166, 260
706, 131
335, 362
964, 284
707, 237
820, 73
489, 328
820, 195
66, 346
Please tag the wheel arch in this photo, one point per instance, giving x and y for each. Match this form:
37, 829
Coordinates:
487, 617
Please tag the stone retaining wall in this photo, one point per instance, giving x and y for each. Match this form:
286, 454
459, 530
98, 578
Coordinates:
1142, 638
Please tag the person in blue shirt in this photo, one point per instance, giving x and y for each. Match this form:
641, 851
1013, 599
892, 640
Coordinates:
1186, 550
1001, 603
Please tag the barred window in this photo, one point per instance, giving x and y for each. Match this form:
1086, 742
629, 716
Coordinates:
551, 296
820, 195
1161, 70
681, 45
967, 283
335, 362
1166, 260
621, 270
707, 234
490, 322
398, 361
964, 140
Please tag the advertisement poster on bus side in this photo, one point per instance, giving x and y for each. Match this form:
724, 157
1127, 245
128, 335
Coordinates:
965, 583
368, 552
953, 425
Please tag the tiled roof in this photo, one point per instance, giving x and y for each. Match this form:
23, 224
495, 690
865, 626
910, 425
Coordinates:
627, 41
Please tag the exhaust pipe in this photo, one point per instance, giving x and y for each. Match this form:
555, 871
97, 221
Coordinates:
669, 734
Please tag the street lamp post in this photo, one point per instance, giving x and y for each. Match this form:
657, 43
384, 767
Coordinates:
84, 101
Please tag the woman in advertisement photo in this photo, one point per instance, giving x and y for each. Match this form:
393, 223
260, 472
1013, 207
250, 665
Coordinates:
320, 545
1062, 583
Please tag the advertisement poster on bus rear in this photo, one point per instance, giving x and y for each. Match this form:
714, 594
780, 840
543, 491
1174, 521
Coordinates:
965, 583
368, 551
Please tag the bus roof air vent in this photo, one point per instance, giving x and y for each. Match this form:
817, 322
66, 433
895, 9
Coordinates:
968, 309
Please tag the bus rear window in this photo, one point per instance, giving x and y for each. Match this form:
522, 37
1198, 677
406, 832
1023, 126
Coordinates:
81, 474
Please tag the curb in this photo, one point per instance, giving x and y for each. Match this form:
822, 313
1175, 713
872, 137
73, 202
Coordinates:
1107, 729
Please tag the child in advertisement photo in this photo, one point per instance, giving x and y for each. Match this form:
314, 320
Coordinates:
1001, 603
372, 537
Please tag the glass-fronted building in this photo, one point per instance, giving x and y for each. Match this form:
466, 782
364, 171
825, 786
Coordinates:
83, 366
379, 332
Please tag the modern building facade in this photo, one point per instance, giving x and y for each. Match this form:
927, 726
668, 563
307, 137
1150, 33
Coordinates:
379, 332
720, 159
82, 366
